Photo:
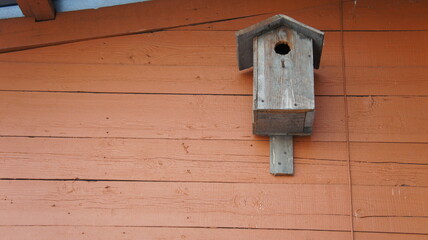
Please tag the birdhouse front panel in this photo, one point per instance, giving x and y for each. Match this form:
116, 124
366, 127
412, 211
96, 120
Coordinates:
283, 82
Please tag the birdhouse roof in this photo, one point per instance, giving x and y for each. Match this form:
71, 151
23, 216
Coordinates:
245, 37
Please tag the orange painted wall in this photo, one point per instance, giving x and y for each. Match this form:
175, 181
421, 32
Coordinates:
134, 122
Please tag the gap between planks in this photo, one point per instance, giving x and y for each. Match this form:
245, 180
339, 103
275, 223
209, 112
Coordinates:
163, 181
208, 182
345, 99
205, 139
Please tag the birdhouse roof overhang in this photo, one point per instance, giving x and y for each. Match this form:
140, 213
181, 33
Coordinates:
245, 37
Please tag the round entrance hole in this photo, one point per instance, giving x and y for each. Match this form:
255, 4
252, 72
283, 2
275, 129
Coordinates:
282, 48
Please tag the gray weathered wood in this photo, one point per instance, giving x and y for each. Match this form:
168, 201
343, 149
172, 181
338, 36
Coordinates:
284, 53
278, 123
283, 84
245, 38
281, 155
309, 121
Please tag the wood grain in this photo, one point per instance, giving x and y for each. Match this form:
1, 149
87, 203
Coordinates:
389, 174
147, 116
174, 204
160, 48
390, 209
21, 33
379, 63
386, 49
281, 155
109, 233
166, 233
395, 15
388, 236
388, 119
406, 153
387, 80
321, 15
283, 82
187, 166
389, 164
143, 79
111, 78
149, 63
166, 160
182, 48
245, 37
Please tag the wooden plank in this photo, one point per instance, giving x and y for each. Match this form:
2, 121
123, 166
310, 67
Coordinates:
281, 155
389, 174
167, 233
372, 68
283, 82
390, 209
147, 116
391, 164
39, 9
166, 160
396, 15
203, 60
324, 15
142, 79
406, 153
175, 204
388, 236
110, 233
386, 49
387, 80
134, 18
159, 48
124, 78
388, 119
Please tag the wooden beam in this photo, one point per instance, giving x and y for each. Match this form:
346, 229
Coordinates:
38, 9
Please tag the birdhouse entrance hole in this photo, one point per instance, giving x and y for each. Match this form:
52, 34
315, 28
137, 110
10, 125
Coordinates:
282, 48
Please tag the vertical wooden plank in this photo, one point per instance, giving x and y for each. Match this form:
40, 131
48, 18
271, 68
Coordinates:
285, 76
283, 79
281, 155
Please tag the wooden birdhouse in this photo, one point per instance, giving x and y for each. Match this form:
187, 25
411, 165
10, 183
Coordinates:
284, 53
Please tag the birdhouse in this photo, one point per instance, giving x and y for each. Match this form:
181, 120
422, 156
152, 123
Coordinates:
284, 53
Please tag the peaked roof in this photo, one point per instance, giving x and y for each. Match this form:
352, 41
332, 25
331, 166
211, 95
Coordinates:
245, 37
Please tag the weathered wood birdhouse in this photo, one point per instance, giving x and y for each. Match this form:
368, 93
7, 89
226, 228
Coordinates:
284, 53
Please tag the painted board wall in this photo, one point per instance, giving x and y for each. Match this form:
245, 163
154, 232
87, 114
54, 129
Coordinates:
134, 122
